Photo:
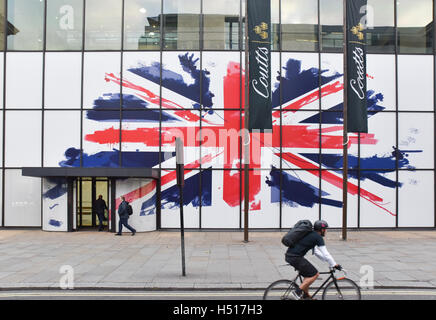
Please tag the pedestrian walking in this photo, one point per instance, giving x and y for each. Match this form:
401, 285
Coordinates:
124, 211
100, 207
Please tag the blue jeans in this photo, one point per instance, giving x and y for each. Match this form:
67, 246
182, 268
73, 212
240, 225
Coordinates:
123, 222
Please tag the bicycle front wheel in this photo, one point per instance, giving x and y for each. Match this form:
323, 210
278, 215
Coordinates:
344, 289
280, 290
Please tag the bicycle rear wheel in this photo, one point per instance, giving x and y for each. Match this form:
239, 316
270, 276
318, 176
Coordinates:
345, 289
280, 290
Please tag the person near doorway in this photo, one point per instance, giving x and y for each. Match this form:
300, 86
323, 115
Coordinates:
100, 207
123, 212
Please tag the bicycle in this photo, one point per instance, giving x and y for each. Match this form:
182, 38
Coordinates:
337, 289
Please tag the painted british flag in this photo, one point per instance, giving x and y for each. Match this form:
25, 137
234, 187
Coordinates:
306, 142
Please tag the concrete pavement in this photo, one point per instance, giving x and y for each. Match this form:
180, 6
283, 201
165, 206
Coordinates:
214, 260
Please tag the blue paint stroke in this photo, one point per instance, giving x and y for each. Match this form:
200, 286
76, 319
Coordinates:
297, 82
174, 81
191, 195
55, 223
111, 159
53, 206
296, 192
58, 190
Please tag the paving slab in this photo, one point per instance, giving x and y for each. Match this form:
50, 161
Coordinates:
32, 259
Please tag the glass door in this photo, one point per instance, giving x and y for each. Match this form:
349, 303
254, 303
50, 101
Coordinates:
88, 191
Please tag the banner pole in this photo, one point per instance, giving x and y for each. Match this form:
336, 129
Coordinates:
246, 131
345, 143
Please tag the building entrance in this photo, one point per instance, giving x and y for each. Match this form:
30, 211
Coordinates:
88, 191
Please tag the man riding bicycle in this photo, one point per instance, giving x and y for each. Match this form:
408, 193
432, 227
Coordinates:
295, 257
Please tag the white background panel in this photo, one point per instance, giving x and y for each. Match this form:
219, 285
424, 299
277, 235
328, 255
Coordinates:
220, 214
383, 127
63, 78
378, 214
54, 211
24, 80
96, 66
415, 83
268, 216
332, 64
381, 72
137, 191
170, 214
22, 200
23, 138
293, 211
218, 63
416, 199
417, 134
65, 124
1, 78
332, 214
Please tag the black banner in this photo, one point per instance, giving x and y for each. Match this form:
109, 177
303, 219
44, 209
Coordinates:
356, 66
259, 34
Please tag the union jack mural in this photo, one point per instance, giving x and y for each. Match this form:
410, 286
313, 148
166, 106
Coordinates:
299, 164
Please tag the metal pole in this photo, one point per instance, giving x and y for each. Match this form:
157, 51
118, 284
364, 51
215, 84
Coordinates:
246, 132
345, 143
182, 231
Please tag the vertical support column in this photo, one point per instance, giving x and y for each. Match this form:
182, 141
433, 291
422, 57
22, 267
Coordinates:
71, 204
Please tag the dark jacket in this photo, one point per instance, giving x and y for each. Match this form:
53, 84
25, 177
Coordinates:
122, 209
100, 206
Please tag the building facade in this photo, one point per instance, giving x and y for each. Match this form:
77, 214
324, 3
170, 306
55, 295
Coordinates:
110, 83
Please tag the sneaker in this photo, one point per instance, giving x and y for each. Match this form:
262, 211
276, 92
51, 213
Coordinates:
118, 234
297, 294
133, 233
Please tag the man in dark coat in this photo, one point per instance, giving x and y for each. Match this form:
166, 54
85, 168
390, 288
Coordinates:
100, 207
123, 212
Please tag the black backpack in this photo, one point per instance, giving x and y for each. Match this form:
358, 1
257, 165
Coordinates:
301, 229
129, 209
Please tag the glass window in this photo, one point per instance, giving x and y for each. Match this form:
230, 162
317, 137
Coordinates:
103, 25
2, 26
332, 20
142, 24
275, 22
221, 24
415, 26
381, 30
300, 25
181, 24
64, 24
25, 24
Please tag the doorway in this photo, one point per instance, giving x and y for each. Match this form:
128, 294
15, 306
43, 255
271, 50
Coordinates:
88, 190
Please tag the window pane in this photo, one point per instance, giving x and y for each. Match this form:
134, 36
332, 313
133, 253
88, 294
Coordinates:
142, 24
2, 26
300, 25
221, 24
26, 24
181, 24
381, 30
331, 17
415, 26
64, 24
275, 22
103, 24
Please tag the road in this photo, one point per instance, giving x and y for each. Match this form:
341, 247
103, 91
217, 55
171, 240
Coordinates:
377, 294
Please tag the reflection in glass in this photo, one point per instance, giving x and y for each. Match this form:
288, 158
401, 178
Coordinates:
26, 28
142, 24
221, 24
300, 25
415, 26
381, 30
2, 26
103, 25
275, 22
64, 24
181, 24
331, 19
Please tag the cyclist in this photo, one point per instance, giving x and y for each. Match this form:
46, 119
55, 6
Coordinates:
295, 257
